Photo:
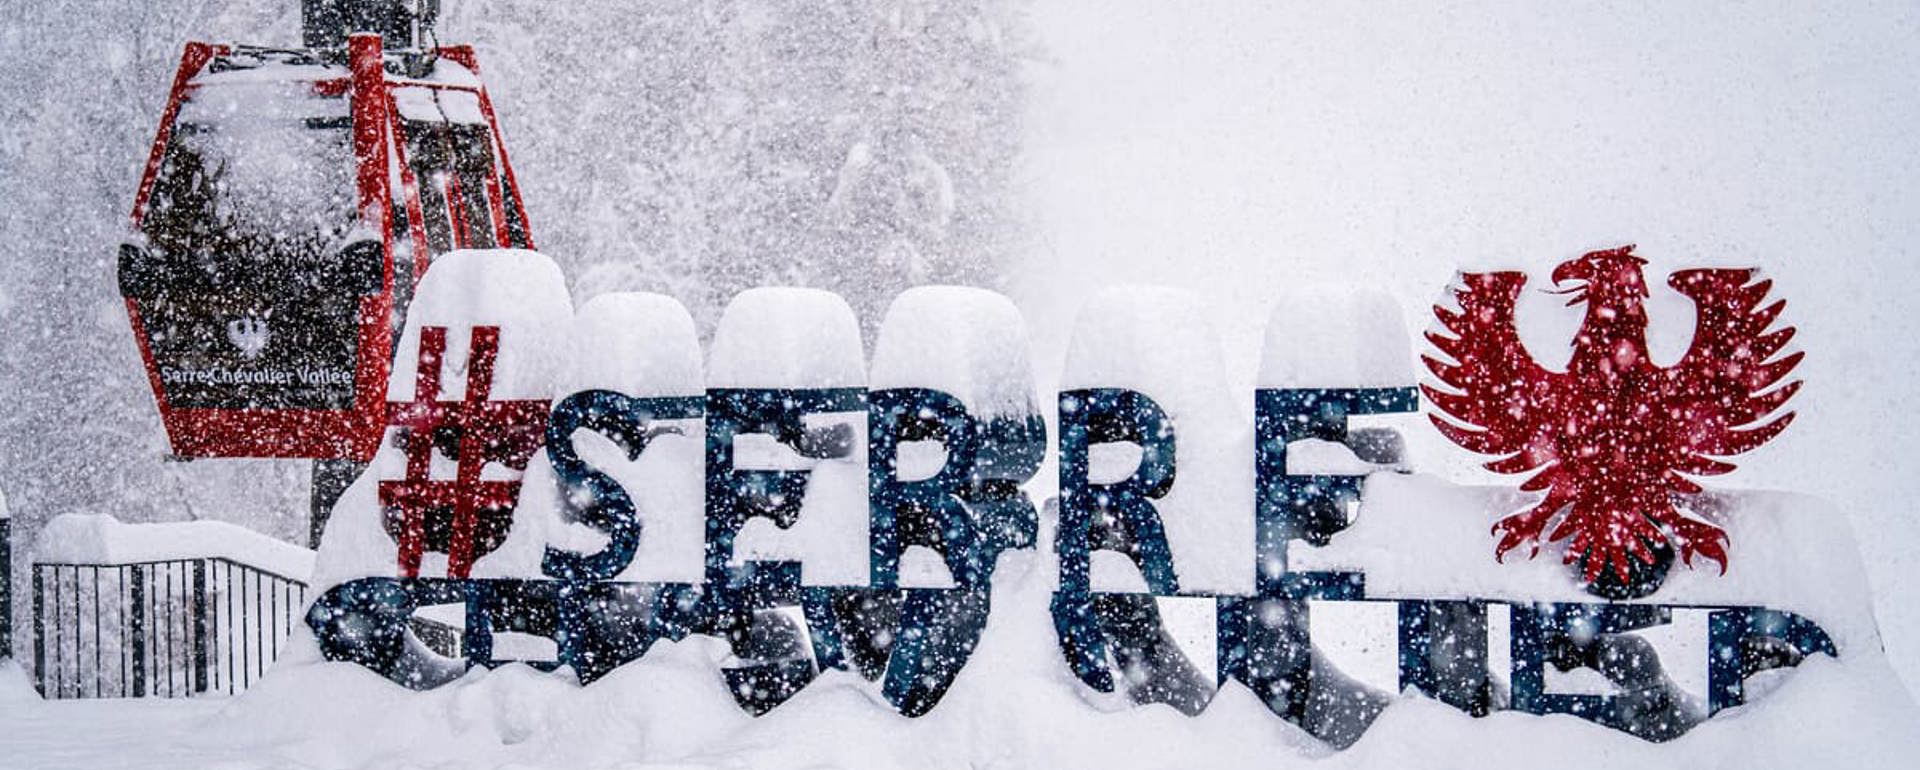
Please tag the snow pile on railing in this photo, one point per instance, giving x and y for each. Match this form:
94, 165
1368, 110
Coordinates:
102, 539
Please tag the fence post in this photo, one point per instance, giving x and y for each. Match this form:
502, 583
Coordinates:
138, 623
6, 580
39, 634
200, 625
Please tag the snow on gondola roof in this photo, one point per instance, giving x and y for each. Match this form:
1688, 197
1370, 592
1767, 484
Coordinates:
246, 64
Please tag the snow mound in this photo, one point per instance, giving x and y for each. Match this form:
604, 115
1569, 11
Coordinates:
970, 343
632, 343
783, 337
520, 292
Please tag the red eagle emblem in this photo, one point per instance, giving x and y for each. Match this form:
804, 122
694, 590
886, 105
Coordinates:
1614, 437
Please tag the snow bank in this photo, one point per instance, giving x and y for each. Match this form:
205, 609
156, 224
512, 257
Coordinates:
1420, 537
1016, 702
1013, 706
76, 538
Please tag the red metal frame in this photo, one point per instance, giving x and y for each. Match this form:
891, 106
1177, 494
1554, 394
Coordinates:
463, 55
352, 433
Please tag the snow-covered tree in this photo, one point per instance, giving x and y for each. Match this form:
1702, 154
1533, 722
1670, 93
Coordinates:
702, 147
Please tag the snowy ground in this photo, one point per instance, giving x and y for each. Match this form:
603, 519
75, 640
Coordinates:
1014, 706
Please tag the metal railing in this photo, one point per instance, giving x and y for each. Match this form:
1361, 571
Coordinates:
172, 629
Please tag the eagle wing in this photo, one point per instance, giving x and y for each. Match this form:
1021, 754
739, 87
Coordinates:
1722, 391
1498, 401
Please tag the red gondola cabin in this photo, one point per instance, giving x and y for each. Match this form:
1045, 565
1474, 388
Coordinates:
283, 191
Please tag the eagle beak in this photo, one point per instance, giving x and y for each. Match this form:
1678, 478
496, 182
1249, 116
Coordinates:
1569, 271
1576, 272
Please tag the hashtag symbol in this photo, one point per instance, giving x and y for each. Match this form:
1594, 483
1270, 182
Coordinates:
465, 517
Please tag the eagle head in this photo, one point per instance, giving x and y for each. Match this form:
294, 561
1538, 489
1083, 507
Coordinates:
1607, 277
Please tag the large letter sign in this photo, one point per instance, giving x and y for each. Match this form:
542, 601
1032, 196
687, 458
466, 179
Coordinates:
819, 513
